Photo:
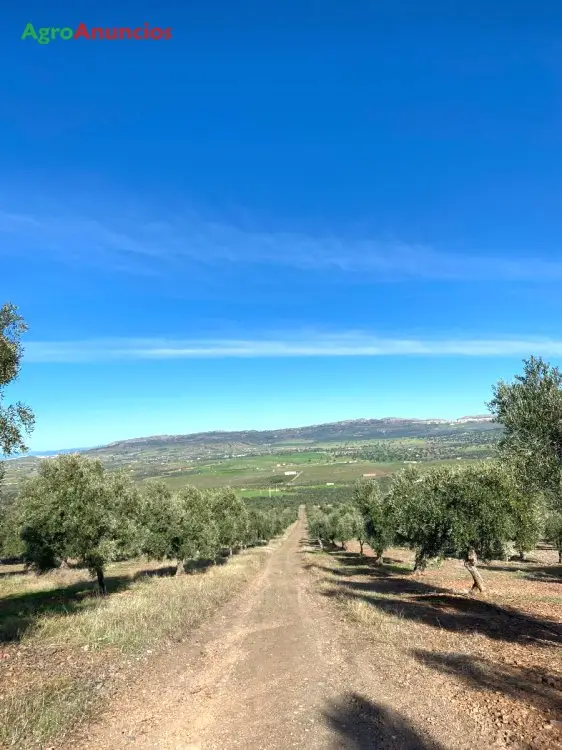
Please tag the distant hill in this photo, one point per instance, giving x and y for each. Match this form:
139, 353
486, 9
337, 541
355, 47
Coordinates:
181, 456
348, 430
44, 454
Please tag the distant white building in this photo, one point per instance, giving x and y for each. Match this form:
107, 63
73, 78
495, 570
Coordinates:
329, 484
291, 473
369, 476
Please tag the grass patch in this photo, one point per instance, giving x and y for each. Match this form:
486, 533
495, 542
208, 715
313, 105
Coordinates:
150, 611
63, 665
32, 717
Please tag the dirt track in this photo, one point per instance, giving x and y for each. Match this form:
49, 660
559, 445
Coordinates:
276, 669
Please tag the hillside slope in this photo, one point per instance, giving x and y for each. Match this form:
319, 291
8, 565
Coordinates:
348, 430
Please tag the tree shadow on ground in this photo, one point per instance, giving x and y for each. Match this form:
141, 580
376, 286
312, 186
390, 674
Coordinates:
365, 725
532, 685
202, 566
410, 598
531, 571
327, 546
381, 578
10, 573
19, 612
306, 541
357, 564
167, 570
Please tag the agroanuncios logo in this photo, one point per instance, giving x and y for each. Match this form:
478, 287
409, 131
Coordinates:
47, 34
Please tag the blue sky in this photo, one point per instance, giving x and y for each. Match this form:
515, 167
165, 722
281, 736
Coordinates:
288, 213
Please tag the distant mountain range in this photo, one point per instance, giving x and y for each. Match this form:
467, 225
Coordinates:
240, 440
353, 429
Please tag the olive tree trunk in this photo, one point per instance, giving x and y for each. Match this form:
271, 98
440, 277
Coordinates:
101, 581
470, 563
420, 563
361, 546
180, 567
320, 543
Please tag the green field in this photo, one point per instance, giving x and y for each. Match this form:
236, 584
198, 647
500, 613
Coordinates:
255, 479
259, 468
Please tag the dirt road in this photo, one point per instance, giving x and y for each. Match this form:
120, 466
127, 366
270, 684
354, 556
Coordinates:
278, 668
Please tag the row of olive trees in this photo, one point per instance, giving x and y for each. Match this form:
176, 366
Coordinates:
467, 512
74, 510
478, 510
335, 524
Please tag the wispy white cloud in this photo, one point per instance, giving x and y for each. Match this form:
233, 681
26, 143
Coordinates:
302, 345
162, 246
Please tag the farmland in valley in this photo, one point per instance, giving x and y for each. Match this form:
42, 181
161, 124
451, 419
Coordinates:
253, 461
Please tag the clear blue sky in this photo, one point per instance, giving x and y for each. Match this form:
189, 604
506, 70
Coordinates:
291, 212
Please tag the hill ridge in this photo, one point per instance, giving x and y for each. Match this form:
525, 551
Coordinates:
328, 431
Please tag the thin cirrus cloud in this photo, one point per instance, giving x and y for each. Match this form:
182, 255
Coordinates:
321, 345
163, 246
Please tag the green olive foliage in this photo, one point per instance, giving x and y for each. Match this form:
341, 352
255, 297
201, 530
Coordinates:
553, 532
319, 525
231, 516
74, 509
15, 419
377, 512
466, 512
161, 523
200, 529
530, 410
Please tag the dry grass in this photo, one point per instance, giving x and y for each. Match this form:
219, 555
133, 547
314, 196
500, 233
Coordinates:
15, 581
61, 663
31, 717
150, 612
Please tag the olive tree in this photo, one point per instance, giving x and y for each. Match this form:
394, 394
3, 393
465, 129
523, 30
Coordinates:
467, 512
11, 544
319, 526
15, 419
231, 517
200, 530
178, 526
530, 410
262, 525
358, 527
529, 520
162, 524
344, 521
74, 509
422, 521
378, 516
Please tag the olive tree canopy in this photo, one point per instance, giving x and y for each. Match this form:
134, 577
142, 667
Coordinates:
15, 419
530, 410
74, 509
